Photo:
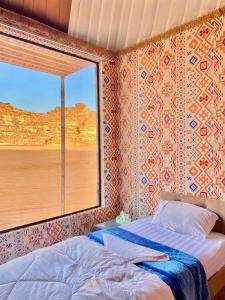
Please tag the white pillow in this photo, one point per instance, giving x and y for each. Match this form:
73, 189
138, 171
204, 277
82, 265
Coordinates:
184, 218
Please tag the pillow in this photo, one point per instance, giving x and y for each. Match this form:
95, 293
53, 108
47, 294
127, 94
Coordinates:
184, 218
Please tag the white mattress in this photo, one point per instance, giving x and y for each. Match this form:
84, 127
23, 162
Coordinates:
210, 252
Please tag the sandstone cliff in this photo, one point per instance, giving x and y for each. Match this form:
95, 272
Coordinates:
22, 128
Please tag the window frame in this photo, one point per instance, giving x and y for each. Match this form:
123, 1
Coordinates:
98, 137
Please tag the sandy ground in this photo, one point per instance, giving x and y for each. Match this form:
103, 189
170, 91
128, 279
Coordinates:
30, 183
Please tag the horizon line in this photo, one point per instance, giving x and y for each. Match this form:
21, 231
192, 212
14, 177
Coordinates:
58, 106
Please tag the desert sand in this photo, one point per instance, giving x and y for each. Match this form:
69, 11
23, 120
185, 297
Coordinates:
30, 183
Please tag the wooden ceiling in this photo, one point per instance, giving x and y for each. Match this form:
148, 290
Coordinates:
55, 13
38, 58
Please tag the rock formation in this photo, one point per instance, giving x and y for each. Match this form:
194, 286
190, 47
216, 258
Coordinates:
22, 128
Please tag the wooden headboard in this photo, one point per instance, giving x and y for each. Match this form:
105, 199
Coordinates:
217, 206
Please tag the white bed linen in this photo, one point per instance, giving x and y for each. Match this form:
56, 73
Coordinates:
210, 251
185, 218
133, 252
78, 269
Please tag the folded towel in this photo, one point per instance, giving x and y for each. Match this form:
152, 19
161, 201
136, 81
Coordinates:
133, 252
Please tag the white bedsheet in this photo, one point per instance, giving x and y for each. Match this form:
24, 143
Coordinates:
210, 252
133, 252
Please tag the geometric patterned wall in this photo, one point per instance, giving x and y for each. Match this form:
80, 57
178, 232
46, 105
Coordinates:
172, 117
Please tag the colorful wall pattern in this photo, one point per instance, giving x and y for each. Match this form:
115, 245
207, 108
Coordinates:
172, 118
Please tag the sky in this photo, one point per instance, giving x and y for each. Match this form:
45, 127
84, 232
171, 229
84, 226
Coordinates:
40, 92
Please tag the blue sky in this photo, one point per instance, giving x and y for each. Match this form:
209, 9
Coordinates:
40, 92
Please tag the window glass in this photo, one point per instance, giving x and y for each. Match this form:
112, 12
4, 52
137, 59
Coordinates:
42, 174
29, 146
81, 170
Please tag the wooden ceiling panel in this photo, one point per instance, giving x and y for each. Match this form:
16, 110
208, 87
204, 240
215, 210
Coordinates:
38, 58
54, 13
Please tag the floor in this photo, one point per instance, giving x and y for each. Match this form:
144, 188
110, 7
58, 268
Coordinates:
221, 295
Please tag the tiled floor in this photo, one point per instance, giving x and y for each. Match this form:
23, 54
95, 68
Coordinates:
221, 295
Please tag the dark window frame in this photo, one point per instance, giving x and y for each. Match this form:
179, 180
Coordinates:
99, 140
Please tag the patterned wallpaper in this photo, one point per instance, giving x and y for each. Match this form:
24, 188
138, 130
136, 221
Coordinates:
172, 117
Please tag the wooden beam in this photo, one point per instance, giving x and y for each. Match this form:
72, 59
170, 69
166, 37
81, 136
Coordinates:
55, 13
34, 57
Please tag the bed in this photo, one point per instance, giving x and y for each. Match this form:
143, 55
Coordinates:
80, 268
216, 280
211, 252
77, 269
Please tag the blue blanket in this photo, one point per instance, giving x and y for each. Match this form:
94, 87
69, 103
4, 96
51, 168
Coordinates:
183, 273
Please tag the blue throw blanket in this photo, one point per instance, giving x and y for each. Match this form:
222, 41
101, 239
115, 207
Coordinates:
183, 273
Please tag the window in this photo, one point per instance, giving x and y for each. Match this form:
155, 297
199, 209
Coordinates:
49, 138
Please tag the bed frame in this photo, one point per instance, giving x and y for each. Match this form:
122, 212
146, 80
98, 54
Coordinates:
217, 282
